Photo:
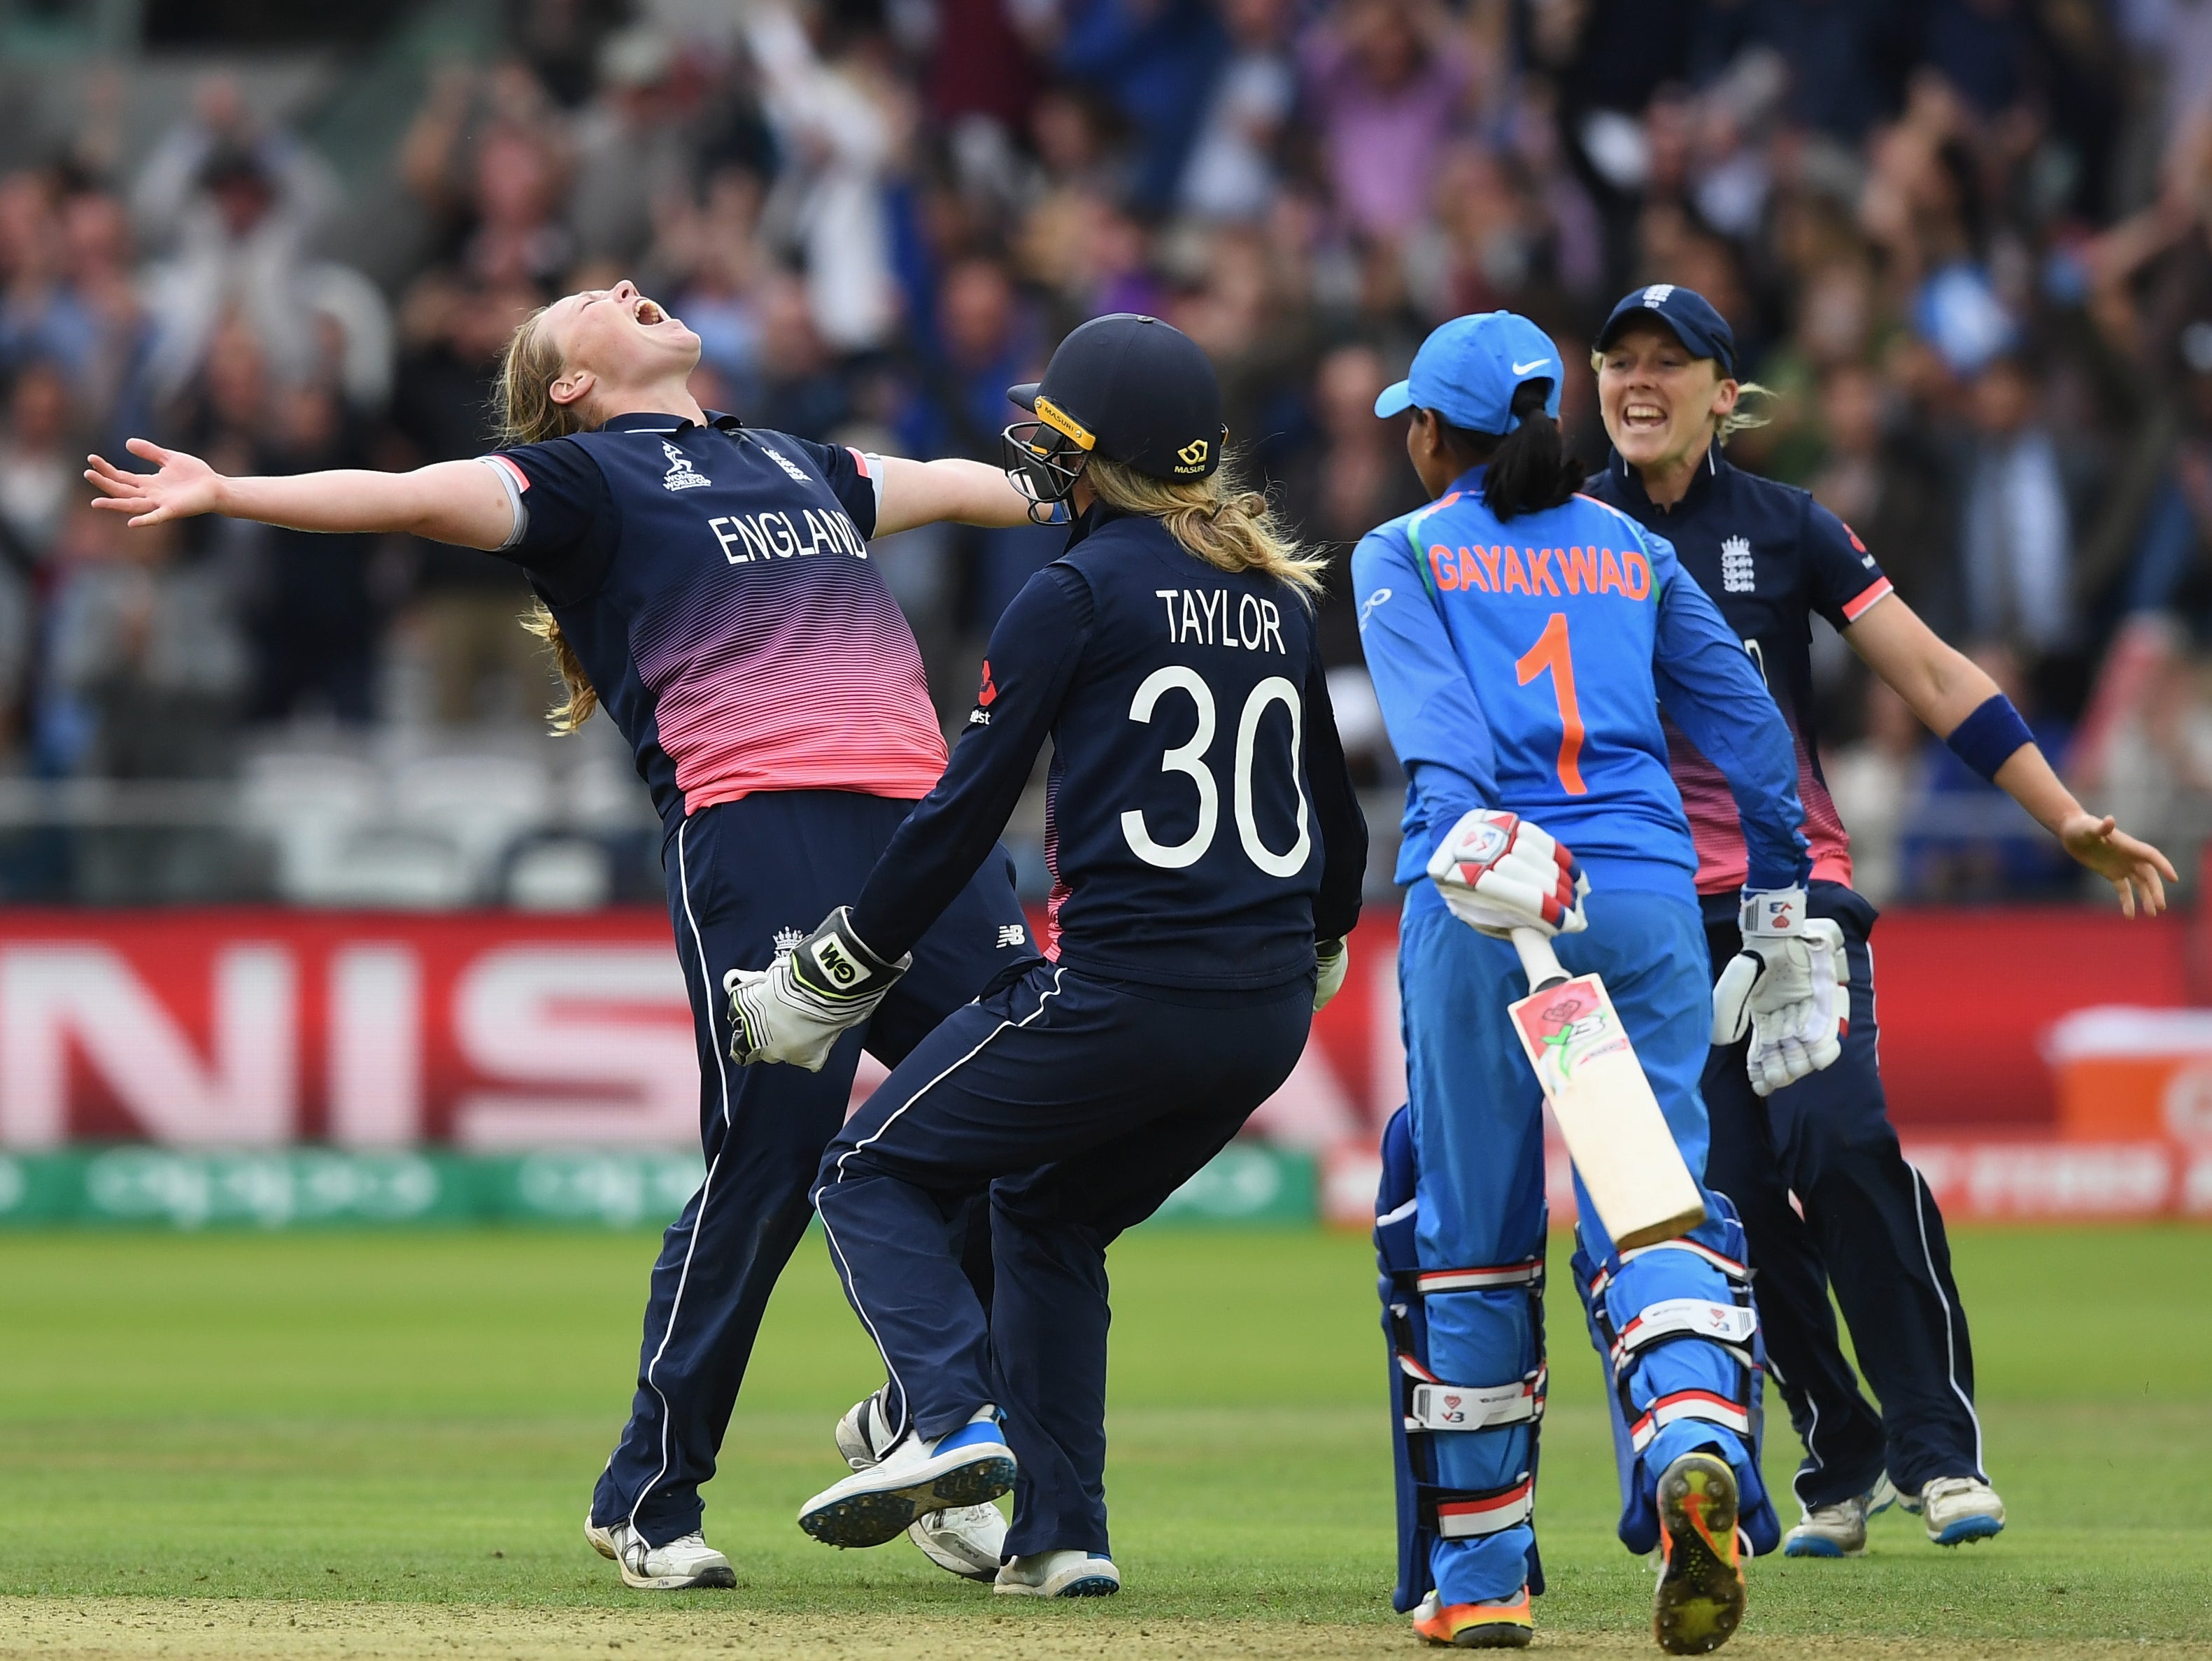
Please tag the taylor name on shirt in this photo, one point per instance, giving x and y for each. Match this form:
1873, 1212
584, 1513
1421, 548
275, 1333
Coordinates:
1218, 617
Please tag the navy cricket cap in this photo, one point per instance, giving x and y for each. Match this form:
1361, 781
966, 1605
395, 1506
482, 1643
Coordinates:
1686, 313
1468, 369
1134, 389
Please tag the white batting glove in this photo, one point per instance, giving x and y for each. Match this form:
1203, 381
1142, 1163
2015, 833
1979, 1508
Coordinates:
1787, 986
1498, 872
796, 1009
1331, 958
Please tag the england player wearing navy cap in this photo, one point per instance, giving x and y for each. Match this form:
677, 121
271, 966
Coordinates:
1207, 851
1521, 640
1771, 557
710, 584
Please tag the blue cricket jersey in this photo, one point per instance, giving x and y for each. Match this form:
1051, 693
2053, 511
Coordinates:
1523, 664
1200, 821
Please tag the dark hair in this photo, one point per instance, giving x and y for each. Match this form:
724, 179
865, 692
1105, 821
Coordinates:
1529, 467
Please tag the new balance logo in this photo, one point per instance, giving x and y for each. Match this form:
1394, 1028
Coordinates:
1737, 576
1656, 296
785, 462
1012, 933
681, 474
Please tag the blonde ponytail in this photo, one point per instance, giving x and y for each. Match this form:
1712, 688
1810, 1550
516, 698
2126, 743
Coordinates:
529, 415
1740, 419
1230, 529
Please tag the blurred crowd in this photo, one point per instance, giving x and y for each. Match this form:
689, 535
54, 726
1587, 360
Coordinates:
1966, 244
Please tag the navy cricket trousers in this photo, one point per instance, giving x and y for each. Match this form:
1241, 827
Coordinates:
739, 875
1079, 1105
1869, 1228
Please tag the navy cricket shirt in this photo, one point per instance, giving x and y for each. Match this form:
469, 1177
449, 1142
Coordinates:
1769, 555
1200, 821
714, 583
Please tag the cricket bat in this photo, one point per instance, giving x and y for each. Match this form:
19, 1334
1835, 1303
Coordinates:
1615, 1133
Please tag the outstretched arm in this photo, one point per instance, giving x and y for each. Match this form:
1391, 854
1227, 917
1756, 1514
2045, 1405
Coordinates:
1944, 687
457, 502
966, 492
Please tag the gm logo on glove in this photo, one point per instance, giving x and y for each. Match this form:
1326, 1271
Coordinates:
830, 958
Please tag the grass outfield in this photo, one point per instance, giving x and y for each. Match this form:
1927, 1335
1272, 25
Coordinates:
362, 1444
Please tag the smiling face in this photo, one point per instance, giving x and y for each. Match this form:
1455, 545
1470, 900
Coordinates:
1661, 406
616, 338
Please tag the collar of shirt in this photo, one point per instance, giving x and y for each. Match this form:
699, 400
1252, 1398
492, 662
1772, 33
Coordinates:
1631, 483
1099, 513
1468, 483
652, 420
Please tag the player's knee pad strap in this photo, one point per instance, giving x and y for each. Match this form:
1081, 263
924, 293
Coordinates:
1470, 1513
1732, 1327
1430, 1403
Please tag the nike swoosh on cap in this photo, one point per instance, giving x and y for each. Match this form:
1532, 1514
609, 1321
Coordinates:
1534, 362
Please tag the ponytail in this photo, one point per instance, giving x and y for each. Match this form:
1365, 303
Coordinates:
1529, 469
1230, 529
528, 415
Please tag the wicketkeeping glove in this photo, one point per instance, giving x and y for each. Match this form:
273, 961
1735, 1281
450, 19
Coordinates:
1331, 958
1499, 872
1787, 986
796, 1009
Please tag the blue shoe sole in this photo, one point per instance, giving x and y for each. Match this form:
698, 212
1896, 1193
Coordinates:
1966, 1529
1090, 1585
1812, 1548
872, 1519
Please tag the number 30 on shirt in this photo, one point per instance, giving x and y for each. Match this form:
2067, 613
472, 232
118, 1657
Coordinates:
1189, 759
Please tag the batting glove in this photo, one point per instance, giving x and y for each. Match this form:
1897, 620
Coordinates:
1331, 958
1499, 872
796, 1009
1786, 988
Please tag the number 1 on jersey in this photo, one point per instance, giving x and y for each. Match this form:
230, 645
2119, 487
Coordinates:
1550, 652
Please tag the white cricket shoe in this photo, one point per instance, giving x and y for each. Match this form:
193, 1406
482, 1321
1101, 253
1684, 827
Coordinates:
1057, 1574
968, 1541
679, 1565
914, 1476
1956, 1509
1839, 1530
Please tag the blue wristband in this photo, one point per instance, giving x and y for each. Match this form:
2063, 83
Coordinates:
1990, 737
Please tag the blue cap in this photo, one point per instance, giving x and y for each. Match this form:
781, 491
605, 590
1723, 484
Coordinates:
1468, 369
1688, 314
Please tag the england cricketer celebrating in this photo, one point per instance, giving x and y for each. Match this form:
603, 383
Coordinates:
1770, 556
1206, 850
1521, 640
710, 584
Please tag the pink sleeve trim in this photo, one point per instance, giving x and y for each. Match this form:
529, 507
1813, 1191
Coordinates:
522, 478
1856, 609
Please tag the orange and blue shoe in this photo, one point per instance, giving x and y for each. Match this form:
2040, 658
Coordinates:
1505, 1624
1701, 1592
